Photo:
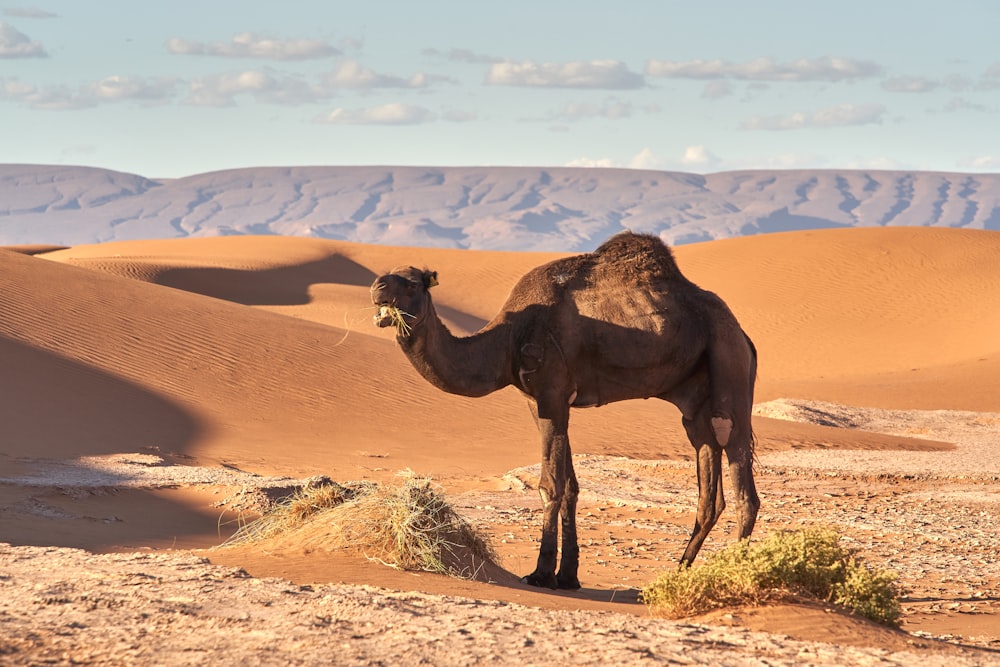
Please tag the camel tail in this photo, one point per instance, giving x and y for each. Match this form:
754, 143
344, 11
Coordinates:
753, 381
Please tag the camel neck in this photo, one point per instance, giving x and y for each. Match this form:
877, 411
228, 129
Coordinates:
473, 365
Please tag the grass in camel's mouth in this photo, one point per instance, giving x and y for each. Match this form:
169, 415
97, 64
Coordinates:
389, 315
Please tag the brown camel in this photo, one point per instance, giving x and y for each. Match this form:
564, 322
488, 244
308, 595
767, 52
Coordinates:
618, 323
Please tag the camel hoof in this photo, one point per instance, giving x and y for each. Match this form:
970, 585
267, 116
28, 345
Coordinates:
567, 583
540, 580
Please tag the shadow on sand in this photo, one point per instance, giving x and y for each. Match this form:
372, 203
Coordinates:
281, 286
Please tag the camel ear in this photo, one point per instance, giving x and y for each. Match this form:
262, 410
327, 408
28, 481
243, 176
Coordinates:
430, 279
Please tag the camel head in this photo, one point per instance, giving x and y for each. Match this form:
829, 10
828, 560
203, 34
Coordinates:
402, 298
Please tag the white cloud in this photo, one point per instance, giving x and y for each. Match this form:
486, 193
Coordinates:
110, 89
839, 116
221, 90
699, 157
598, 163
766, 69
645, 159
715, 90
351, 74
252, 45
463, 56
114, 88
612, 110
981, 163
28, 13
990, 80
909, 84
962, 104
601, 74
875, 163
386, 114
15, 44
15, 90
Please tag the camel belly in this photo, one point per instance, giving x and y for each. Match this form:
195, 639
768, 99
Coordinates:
616, 385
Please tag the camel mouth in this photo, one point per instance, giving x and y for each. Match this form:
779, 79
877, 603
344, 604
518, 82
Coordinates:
384, 317
389, 315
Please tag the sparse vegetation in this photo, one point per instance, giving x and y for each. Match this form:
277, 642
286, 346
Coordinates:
407, 525
786, 564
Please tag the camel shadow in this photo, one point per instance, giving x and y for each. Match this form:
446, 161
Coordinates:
620, 596
500, 576
628, 596
279, 286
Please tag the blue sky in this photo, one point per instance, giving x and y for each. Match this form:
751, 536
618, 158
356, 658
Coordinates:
172, 89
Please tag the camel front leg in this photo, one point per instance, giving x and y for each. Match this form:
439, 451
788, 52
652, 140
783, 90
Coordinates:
711, 502
552, 487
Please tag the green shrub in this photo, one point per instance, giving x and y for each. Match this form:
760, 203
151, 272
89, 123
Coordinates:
873, 595
806, 563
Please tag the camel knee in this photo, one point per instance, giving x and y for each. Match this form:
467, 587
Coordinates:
572, 489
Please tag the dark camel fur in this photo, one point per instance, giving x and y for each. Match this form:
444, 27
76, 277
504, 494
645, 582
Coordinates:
618, 323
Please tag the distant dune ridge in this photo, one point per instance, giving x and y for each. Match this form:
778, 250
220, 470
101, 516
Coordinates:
228, 347
485, 208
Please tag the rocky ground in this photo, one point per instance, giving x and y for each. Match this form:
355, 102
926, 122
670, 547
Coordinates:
171, 609
929, 516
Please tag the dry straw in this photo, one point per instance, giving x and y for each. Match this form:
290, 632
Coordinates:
408, 525
396, 315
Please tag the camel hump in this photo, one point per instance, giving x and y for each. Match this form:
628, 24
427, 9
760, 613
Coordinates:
646, 254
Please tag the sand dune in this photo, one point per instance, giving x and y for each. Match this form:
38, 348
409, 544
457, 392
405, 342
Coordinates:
259, 353
879, 317
889, 317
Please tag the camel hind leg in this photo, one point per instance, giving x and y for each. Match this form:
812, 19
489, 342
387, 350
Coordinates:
739, 454
569, 561
733, 372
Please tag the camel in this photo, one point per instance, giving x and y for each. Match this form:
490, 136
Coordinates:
584, 331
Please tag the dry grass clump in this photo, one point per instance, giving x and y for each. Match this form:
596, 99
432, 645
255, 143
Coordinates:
407, 525
784, 565
294, 510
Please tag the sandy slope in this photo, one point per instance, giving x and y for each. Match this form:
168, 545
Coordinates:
257, 353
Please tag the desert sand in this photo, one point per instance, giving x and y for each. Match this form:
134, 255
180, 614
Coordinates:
149, 383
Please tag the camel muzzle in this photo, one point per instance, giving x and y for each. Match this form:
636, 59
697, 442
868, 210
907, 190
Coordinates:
390, 315
384, 317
